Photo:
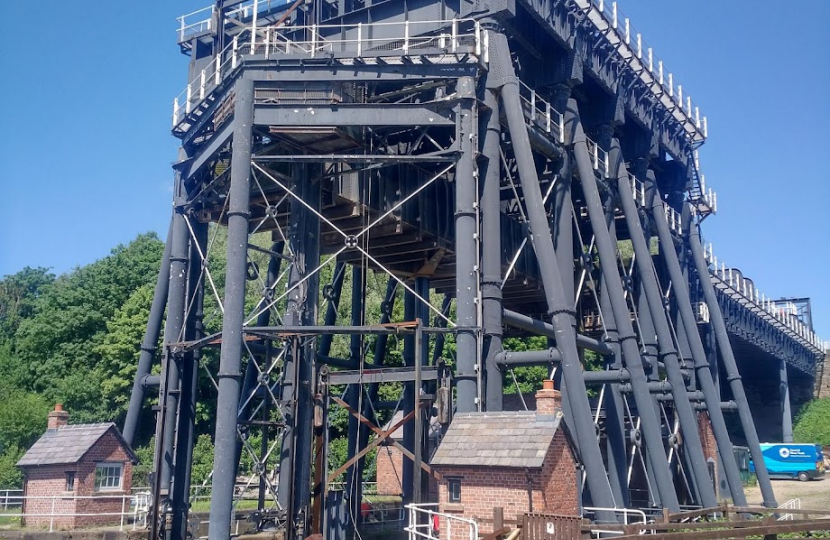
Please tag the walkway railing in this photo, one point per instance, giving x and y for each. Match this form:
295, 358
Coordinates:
422, 521
617, 29
792, 504
404, 38
134, 507
542, 114
745, 291
629, 515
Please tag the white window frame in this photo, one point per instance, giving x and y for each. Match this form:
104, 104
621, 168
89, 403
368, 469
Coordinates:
108, 465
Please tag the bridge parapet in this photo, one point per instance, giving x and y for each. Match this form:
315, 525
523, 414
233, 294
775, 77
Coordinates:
775, 314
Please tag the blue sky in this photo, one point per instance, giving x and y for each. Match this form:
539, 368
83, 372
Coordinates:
87, 98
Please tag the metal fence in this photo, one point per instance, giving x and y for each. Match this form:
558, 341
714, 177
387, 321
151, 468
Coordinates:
134, 507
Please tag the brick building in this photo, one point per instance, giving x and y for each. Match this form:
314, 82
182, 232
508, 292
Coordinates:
389, 461
521, 461
72, 461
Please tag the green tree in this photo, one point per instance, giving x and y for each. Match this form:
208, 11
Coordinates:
57, 348
813, 423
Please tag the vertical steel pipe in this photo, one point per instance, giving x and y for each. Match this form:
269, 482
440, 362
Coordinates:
491, 297
786, 411
466, 251
229, 375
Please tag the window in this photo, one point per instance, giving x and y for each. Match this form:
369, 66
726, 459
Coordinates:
70, 481
108, 476
454, 489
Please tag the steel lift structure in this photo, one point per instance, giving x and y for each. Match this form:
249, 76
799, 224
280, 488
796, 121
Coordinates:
510, 168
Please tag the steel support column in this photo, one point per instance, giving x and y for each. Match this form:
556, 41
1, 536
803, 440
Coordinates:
491, 295
704, 373
651, 425
299, 370
665, 343
149, 344
786, 412
186, 428
224, 472
466, 250
616, 452
560, 308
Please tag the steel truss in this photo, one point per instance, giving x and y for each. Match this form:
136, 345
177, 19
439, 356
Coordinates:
494, 200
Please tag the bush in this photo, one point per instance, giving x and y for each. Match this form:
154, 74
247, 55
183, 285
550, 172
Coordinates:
813, 423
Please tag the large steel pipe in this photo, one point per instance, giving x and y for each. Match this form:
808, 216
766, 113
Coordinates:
665, 342
224, 472
731, 367
651, 425
560, 308
148, 344
704, 373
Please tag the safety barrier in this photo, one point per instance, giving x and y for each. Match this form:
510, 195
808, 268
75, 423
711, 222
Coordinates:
781, 312
134, 507
454, 37
617, 29
422, 521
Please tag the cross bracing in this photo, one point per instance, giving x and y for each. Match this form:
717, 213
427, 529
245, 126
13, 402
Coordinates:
507, 171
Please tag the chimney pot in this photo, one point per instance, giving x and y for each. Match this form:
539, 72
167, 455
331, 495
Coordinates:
548, 400
57, 418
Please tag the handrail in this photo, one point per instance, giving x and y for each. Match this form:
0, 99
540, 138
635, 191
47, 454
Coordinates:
552, 120
617, 29
421, 521
778, 311
625, 513
277, 40
135, 505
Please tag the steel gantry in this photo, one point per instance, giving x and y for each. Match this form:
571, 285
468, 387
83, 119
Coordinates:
502, 169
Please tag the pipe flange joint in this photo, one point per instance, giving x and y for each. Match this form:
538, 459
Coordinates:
562, 311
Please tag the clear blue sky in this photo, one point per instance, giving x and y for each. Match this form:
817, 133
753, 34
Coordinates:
86, 149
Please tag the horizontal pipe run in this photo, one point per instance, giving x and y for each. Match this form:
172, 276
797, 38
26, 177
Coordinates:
728, 406
528, 358
150, 381
529, 324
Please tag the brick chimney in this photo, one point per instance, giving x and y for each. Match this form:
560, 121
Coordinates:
58, 417
548, 400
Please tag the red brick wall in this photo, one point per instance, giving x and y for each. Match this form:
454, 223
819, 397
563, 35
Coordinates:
51, 480
553, 489
389, 470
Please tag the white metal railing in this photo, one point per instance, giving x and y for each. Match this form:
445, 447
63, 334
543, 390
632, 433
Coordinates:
638, 189
783, 313
195, 22
599, 158
629, 515
673, 219
134, 508
617, 29
542, 113
10, 498
422, 519
792, 504
404, 38
703, 199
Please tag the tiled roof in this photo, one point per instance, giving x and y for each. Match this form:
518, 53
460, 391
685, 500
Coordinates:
68, 444
497, 439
